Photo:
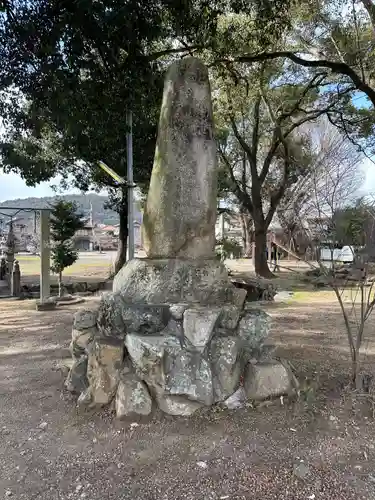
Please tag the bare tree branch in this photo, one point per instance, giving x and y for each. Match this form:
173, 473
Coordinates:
240, 193
179, 50
340, 68
313, 83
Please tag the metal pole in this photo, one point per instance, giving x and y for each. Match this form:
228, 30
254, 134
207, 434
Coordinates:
129, 164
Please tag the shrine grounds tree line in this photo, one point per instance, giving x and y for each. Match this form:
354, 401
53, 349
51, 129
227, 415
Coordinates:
280, 71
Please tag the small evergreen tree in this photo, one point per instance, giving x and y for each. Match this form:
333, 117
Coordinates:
65, 221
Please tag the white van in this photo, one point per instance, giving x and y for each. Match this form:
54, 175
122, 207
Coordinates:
344, 254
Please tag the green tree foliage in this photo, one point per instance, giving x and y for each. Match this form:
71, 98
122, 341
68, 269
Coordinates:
336, 38
263, 99
69, 71
228, 248
65, 222
354, 225
260, 146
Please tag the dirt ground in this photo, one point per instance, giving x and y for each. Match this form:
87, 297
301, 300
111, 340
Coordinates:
320, 446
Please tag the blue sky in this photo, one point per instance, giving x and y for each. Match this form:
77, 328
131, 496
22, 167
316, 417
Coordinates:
13, 187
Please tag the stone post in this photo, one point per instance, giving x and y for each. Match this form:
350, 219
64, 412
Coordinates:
44, 255
3, 268
9, 252
16, 280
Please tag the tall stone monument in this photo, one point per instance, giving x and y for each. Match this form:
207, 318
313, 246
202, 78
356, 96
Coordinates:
180, 215
174, 332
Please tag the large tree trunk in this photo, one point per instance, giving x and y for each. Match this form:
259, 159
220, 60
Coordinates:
123, 236
261, 264
247, 233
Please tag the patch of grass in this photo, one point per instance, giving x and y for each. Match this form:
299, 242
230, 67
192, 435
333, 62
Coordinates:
30, 266
313, 296
27, 258
351, 295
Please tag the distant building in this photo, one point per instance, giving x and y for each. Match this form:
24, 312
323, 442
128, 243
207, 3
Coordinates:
24, 228
92, 237
84, 238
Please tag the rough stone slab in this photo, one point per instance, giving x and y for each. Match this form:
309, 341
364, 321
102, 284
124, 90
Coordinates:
256, 288
145, 319
177, 311
117, 318
65, 365
85, 318
265, 380
108, 352
174, 329
82, 338
236, 400
85, 398
73, 302
239, 297
180, 213
227, 366
265, 353
76, 350
229, 317
199, 324
110, 322
174, 281
48, 305
253, 329
177, 406
103, 372
77, 381
189, 374
147, 355
132, 397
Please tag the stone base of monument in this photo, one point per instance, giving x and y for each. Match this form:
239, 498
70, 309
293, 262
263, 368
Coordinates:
173, 334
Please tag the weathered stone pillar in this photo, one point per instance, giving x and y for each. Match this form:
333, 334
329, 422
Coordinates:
16, 280
180, 213
9, 252
44, 255
3, 268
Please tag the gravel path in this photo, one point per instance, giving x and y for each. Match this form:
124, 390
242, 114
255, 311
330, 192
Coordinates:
50, 450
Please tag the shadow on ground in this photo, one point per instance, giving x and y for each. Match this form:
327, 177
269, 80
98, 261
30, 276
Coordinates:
52, 450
